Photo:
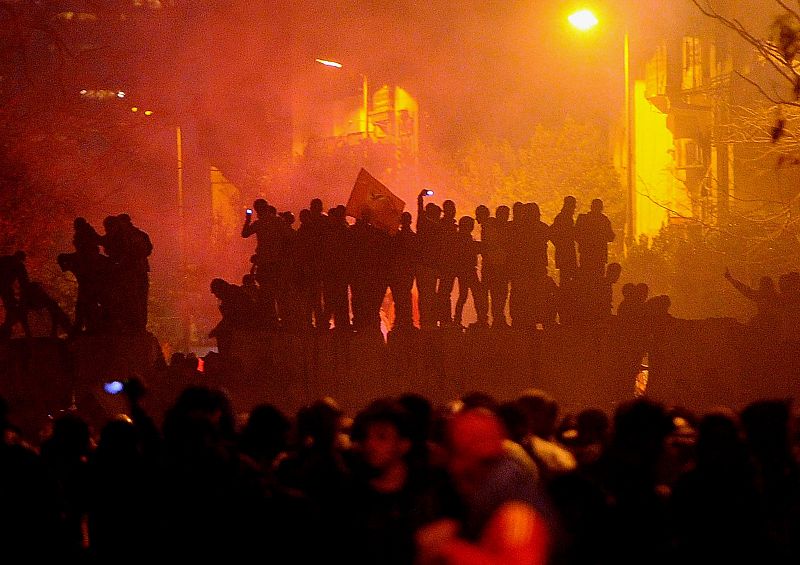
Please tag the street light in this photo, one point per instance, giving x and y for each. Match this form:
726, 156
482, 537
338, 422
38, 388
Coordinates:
585, 20
364, 93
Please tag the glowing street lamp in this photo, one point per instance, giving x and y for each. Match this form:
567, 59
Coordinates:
364, 92
333, 64
584, 20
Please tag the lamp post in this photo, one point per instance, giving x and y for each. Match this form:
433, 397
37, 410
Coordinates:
364, 94
584, 20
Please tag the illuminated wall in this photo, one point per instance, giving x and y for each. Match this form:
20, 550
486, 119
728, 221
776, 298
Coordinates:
226, 210
659, 194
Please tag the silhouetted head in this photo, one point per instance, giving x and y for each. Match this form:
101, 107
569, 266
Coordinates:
124, 219
218, 287
79, 223
316, 207
200, 417
514, 420
570, 203
405, 220
597, 205
541, 412
658, 306
266, 433
502, 213
535, 211
383, 431
478, 399
249, 280
287, 217
260, 206
110, 223
474, 443
720, 442
271, 211
466, 224
71, 438
613, 272
628, 290
766, 425
449, 209
305, 216
119, 441
519, 211
640, 428
319, 424
482, 214
432, 211
337, 213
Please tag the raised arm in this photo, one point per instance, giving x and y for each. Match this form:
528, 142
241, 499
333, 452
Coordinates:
746, 291
247, 228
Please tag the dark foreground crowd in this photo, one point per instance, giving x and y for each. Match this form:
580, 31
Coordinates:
475, 482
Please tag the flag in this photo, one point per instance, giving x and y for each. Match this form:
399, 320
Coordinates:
383, 206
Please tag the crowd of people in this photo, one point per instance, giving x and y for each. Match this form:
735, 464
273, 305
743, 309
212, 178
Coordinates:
475, 482
328, 271
113, 286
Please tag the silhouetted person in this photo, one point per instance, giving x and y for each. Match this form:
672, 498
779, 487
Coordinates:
128, 247
121, 501
369, 281
629, 307
765, 298
13, 272
429, 234
207, 503
392, 497
628, 472
540, 411
767, 425
496, 264
268, 229
94, 273
402, 269
600, 297
716, 506
261, 312
318, 468
447, 266
528, 266
338, 268
562, 234
483, 217
66, 454
507, 517
30, 509
235, 309
34, 298
593, 232
316, 232
465, 256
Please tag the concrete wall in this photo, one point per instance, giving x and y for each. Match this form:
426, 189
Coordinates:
698, 364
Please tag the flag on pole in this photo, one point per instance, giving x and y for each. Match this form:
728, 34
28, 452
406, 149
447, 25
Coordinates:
370, 195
